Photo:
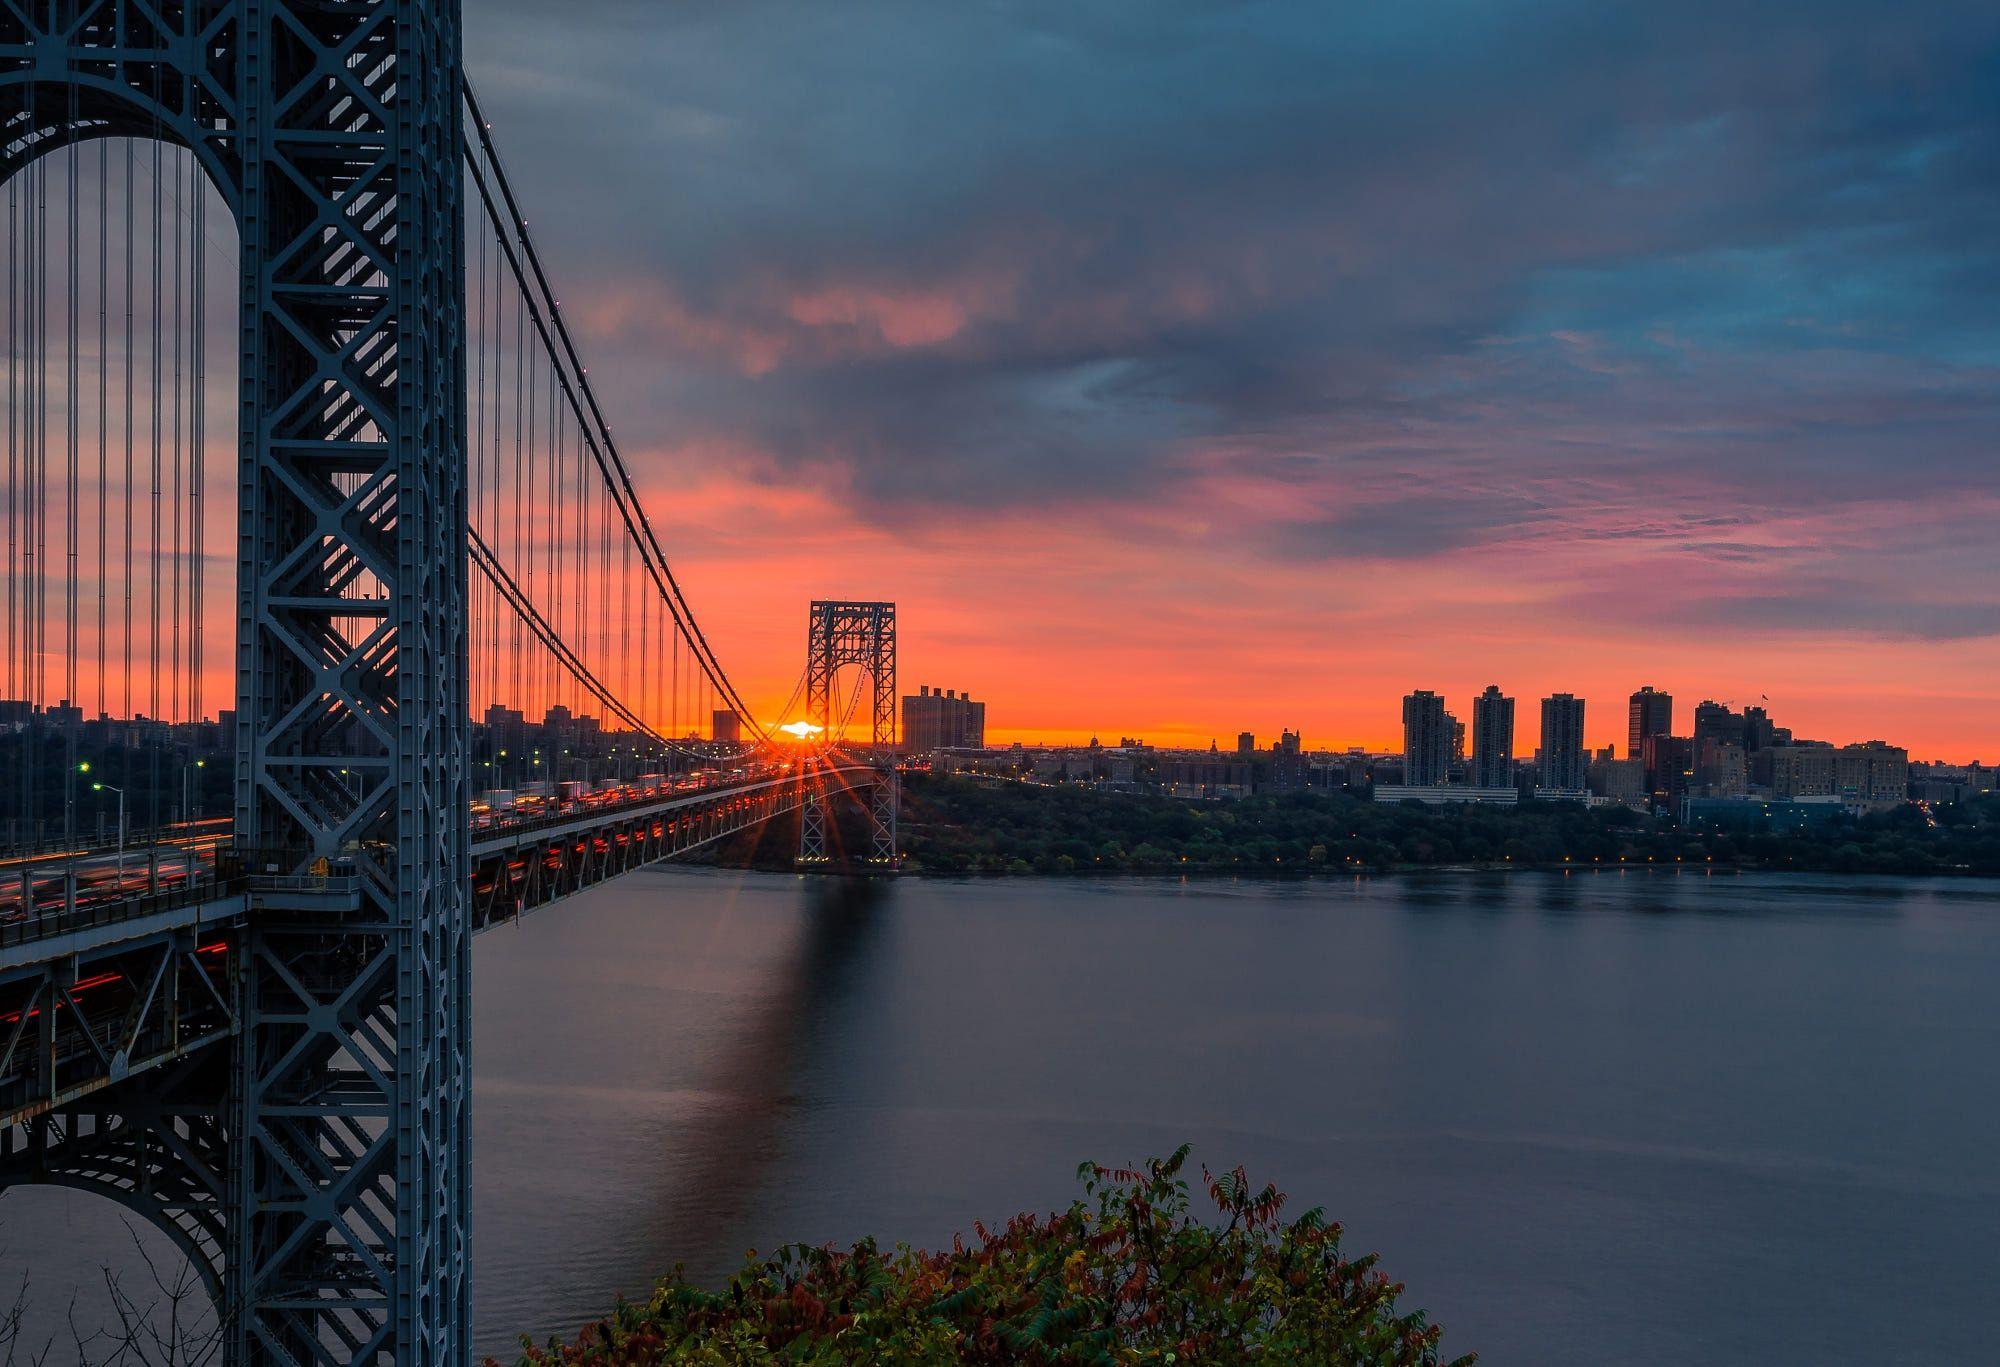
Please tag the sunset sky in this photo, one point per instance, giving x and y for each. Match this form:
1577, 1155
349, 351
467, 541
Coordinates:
1186, 368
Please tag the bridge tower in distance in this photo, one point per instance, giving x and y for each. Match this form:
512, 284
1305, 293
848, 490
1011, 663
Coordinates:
862, 634
315, 1162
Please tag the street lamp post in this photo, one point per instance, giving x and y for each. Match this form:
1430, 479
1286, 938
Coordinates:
187, 782
108, 788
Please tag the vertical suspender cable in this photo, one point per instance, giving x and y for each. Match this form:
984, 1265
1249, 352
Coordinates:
477, 494
155, 540
38, 504
15, 444
176, 319
129, 357
12, 491
495, 522
73, 411
520, 495
103, 408
198, 442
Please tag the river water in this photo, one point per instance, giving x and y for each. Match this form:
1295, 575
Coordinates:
1640, 1118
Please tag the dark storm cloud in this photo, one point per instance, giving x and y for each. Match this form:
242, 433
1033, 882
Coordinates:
1008, 253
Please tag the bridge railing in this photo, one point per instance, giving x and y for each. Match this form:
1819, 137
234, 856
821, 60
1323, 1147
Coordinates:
45, 925
95, 844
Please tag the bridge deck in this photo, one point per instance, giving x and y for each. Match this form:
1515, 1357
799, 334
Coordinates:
92, 991
57, 885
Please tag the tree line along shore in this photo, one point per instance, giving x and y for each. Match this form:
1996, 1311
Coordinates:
958, 825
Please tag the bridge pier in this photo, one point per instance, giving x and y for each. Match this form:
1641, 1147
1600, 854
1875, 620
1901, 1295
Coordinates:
862, 634
876, 794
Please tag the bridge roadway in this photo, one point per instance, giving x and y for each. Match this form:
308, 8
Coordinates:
97, 984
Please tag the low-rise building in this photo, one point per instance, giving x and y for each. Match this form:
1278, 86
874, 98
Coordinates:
1209, 775
1760, 814
1620, 780
1442, 795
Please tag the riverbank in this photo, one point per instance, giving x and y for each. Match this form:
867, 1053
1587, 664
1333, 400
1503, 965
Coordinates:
957, 826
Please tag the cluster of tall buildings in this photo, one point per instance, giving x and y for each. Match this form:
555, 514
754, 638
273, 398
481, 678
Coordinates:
1723, 762
1726, 754
1435, 752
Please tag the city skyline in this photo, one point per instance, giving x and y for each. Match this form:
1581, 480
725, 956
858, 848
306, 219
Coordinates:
1602, 728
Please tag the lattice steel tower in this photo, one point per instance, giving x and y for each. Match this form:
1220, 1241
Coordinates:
317, 1165
861, 634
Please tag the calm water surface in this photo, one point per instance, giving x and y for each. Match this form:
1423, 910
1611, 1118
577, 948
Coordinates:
1631, 1118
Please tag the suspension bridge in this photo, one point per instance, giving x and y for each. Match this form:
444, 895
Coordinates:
235, 939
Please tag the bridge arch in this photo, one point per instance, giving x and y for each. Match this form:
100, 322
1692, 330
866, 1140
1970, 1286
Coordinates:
77, 70
164, 1162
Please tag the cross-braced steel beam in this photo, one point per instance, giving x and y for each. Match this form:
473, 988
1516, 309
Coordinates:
331, 129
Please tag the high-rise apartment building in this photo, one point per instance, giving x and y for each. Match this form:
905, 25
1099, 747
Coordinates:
1714, 721
725, 726
937, 719
1492, 739
1246, 743
1652, 714
1669, 766
1564, 766
1426, 740
1872, 774
1760, 732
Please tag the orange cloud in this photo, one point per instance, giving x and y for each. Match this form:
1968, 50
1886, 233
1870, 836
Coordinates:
1095, 618
908, 319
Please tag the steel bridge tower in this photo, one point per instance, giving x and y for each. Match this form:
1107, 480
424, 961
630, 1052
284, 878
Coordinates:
863, 634
316, 1165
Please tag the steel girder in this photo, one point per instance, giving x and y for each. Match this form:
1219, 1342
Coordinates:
78, 1023
513, 877
158, 1148
861, 634
331, 128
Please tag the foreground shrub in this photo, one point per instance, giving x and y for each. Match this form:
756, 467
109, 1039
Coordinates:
1126, 1275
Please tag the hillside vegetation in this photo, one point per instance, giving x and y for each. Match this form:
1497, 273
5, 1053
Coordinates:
1126, 1276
